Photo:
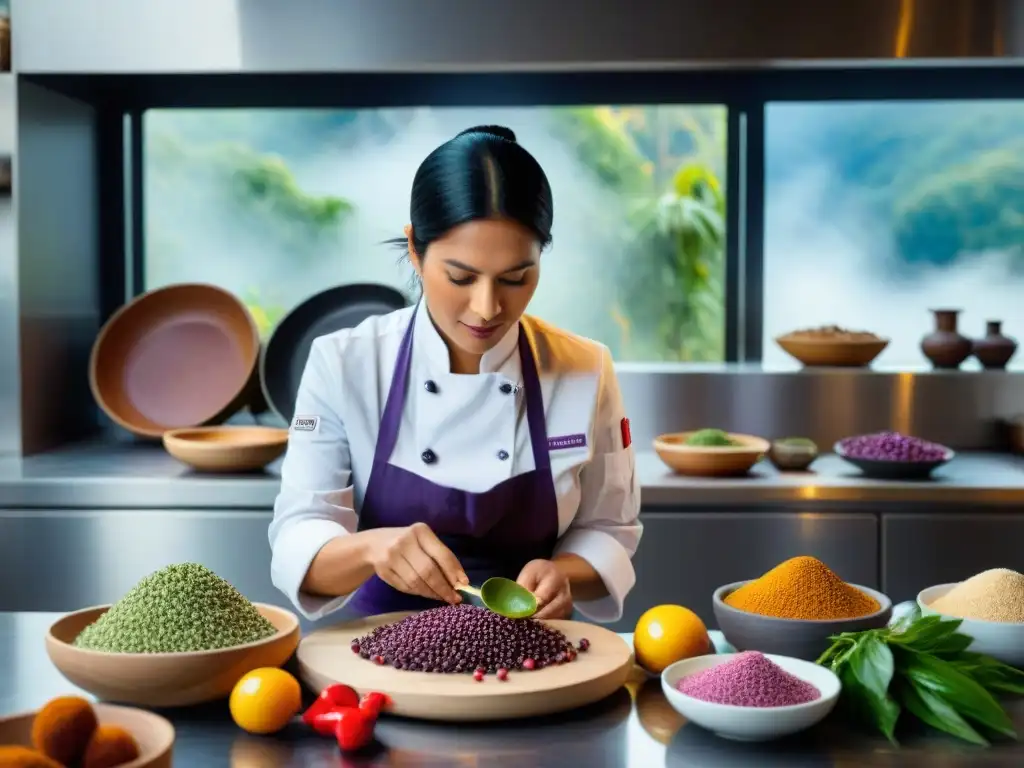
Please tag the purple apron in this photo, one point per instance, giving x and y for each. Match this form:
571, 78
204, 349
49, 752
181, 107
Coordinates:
494, 533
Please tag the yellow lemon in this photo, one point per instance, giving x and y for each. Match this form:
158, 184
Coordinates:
264, 700
666, 634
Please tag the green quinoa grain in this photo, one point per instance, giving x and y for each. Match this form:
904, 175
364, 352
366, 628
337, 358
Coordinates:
179, 608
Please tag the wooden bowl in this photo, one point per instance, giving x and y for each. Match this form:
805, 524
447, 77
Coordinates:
153, 734
710, 461
226, 449
832, 352
165, 679
180, 356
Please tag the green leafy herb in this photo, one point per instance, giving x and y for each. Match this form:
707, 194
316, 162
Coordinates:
921, 665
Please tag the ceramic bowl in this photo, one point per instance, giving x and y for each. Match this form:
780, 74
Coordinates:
832, 352
792, 457
799, 638
710, 461
752, 723
1001, 640
894, 470
166, 679
226, 449
153, 734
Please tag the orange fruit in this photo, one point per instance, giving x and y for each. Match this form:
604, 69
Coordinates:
666, 634
264, 700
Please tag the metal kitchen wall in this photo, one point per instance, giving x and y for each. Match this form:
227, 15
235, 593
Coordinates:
80, 64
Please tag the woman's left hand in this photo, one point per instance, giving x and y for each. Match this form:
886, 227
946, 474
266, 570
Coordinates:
550, 586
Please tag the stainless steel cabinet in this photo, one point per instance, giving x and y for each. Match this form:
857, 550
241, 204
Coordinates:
921, 550
64, 560
685, 556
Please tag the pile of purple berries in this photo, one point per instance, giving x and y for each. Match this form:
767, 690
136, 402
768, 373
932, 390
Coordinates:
466, 639
892, 446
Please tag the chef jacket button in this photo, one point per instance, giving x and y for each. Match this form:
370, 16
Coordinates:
506, 388
428, 456
430, 386
502, 455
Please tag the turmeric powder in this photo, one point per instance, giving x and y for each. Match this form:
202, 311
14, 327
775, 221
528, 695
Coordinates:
62, 728
110, 746
23, 757
802, 588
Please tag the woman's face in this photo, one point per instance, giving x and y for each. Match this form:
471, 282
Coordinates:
477, 281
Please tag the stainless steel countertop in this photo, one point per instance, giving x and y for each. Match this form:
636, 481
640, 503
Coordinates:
124, 476
634, 728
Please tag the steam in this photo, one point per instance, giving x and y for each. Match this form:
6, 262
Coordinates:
578, 281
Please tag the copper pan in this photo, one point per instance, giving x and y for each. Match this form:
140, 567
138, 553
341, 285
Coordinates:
182, 356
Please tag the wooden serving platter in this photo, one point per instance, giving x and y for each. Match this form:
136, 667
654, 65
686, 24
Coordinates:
325, 657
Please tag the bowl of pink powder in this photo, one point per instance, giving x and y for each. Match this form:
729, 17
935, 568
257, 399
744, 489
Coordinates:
750, 696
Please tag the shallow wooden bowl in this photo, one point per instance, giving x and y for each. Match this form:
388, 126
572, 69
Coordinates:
325, 657
153, 734
226, 449
180, 356
165, 679
832, 352
710, 461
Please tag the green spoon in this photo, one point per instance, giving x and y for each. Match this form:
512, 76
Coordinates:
504, 597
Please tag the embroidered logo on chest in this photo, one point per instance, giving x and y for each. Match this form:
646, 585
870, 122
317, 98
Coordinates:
567, 441
306, 423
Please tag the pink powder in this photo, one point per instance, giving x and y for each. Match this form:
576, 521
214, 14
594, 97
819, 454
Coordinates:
749, 680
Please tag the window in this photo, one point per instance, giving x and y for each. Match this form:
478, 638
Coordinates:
877, 212
276, 205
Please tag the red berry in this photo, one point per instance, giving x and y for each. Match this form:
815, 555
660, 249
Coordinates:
353, 729
529, 664
355, 647
478, 676
570, 655
373, 703
379, 659
503, 674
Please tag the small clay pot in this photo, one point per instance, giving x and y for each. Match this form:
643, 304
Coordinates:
793, 454
946, 347
995, 350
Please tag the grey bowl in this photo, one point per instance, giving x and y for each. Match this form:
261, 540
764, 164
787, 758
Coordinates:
799, 638
788, 457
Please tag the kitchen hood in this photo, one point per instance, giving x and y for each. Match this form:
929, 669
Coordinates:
252, 36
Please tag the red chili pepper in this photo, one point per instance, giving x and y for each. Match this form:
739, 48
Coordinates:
373, 703
326, 723
331, 697
353, 729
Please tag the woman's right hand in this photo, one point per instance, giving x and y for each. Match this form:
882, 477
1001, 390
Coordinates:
413, 560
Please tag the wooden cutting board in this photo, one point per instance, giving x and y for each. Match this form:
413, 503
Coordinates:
325, 657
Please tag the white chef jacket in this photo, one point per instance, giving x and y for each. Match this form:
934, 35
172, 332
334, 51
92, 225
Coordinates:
467, 423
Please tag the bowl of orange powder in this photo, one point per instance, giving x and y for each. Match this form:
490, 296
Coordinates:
793, 609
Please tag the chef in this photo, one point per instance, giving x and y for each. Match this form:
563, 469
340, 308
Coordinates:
460, 439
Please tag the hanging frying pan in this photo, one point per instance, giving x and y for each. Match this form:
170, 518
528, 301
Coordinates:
178, 356
284, 355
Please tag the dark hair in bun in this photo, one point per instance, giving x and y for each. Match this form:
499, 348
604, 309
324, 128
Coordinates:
493, 130
481, 173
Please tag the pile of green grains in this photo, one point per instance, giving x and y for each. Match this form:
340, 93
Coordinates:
179, 608
711, 438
